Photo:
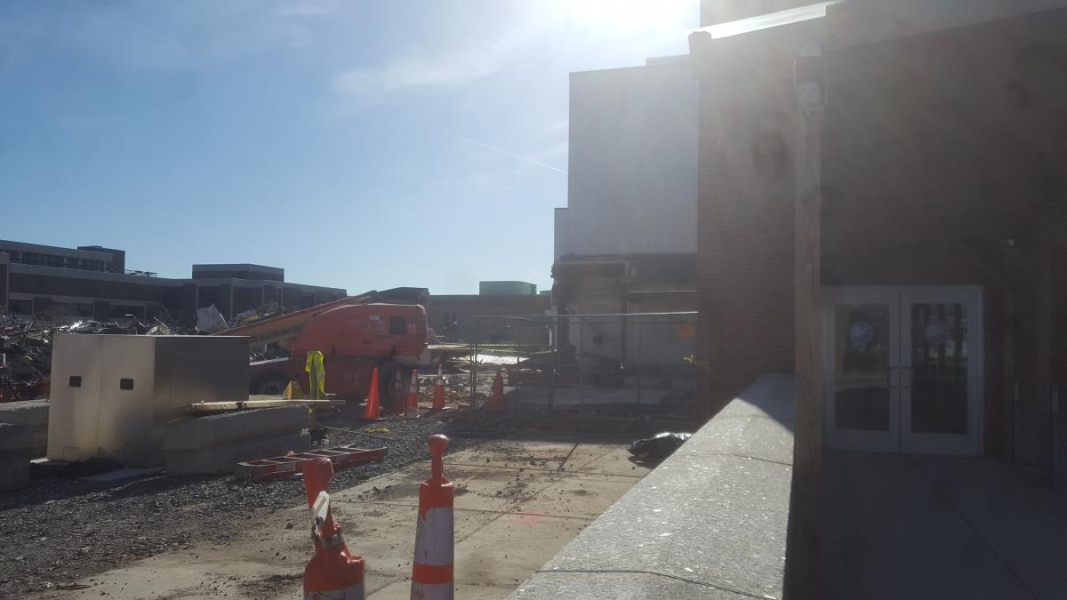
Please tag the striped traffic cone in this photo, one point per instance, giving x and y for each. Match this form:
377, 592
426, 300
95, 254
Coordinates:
439, 390
432, 571
496, 400
333, 572
413, 390
373, 411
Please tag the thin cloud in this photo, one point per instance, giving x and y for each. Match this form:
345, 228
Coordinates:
447, 70
512, 155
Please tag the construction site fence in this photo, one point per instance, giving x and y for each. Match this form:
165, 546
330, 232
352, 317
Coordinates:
639, 359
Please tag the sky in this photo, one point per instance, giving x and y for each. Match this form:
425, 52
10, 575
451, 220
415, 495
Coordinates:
356, 144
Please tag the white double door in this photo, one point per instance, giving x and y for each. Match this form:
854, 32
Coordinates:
902, 369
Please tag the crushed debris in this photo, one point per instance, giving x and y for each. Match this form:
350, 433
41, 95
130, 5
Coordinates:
26, 344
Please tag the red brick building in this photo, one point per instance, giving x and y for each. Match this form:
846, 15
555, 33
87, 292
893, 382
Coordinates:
943, 175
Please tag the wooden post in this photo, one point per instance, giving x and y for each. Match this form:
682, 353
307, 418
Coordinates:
803, 579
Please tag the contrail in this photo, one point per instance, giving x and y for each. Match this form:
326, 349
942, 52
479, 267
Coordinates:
516, 156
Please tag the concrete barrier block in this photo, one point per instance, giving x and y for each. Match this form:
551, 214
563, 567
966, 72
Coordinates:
33, 413
16, 450
246, 425
223, 458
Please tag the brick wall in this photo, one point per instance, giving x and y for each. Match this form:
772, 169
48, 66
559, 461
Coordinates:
745, 223
937, 150
938, 165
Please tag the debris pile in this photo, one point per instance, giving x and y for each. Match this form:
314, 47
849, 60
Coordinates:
264, 311
26, 345
27, 358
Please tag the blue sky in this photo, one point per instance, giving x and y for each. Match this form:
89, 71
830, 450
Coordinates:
356, 144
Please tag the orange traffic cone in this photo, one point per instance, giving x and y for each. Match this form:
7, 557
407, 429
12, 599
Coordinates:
432, 570
496, 400
334, 572
439, 390
373, 410
413, 391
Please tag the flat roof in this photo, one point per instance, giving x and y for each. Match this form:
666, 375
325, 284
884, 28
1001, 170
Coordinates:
236, 267
54, 250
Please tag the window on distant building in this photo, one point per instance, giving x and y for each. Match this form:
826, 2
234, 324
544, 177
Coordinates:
20, 307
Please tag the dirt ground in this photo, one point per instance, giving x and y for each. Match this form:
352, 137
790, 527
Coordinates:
517, 504
59, 530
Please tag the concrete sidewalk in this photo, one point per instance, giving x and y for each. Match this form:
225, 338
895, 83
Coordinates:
517, 504
923, 527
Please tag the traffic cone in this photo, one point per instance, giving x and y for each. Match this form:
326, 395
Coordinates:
334, 572
373, 410
496, 400
439, 390
398, 394
432, 570
293, 391
413, 391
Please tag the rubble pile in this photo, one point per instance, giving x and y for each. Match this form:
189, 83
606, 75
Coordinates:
264, 311
27, 350
26, 344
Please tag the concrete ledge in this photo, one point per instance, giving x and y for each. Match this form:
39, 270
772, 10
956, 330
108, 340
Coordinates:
215, 444
710, 522
33, 413
228, 428
224, 458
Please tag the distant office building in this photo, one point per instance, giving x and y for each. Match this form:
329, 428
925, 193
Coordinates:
627, 241
92, 281
506, 288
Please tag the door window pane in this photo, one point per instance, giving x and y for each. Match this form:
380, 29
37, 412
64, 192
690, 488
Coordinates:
939, 368
861, 355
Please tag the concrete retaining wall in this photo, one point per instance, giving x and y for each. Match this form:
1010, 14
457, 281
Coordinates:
34, 414
709, 522
15, 455
215, 444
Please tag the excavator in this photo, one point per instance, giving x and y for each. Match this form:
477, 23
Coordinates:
354, 334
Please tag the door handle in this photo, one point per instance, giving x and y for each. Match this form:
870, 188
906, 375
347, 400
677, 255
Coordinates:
904, 386
891, 381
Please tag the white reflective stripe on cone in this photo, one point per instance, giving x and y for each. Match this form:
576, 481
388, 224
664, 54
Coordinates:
431, 591
434, 538
356, 592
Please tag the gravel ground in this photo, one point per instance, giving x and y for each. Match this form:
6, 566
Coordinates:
59, 530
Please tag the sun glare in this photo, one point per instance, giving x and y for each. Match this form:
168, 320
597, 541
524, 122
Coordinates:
625, 16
